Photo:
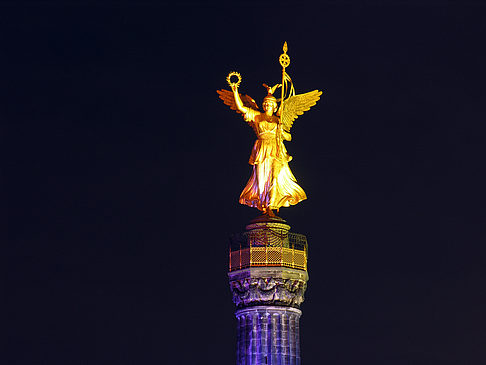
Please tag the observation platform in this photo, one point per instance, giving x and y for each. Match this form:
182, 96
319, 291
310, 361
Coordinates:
268, 244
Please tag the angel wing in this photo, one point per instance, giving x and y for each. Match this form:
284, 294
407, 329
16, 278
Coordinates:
296, 105
229, 99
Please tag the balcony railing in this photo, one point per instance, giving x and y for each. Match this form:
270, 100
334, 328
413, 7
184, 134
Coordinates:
268, 248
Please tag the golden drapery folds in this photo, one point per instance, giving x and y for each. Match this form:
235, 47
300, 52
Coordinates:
272, 184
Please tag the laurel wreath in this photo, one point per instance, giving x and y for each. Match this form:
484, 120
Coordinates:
235, 84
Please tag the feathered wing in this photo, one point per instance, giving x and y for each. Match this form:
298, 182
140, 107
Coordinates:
296, 105
229, 99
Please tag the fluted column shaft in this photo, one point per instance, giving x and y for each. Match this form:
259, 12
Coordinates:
268, 335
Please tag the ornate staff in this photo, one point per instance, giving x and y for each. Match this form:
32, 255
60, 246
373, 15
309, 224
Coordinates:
284, 60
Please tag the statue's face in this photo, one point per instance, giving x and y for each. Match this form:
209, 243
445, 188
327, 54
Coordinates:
269, 106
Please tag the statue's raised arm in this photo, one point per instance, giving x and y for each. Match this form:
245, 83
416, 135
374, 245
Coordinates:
236, 101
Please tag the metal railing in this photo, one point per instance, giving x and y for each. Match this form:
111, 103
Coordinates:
268, 248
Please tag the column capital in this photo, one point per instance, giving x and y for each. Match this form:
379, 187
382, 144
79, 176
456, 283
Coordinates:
279, 286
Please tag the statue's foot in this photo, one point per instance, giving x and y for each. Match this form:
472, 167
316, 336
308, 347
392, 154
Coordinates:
268, 216
270, 213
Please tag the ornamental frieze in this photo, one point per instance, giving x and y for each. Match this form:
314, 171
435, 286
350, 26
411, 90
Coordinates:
268, 290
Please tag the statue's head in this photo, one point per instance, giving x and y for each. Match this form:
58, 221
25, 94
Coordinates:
269, 101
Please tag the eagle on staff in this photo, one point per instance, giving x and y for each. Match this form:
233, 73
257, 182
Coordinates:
272, 184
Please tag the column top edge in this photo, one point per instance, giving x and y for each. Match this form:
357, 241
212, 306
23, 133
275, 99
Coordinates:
269, 309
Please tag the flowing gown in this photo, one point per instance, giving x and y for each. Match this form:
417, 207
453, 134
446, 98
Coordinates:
271, 184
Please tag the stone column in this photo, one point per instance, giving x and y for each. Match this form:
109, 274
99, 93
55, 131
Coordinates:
268, 297
268, 335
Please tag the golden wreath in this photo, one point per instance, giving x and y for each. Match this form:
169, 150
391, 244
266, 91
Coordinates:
228, 79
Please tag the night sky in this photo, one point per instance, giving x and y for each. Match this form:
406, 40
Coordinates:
123, 169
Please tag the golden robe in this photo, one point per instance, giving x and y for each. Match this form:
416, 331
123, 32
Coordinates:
271, 184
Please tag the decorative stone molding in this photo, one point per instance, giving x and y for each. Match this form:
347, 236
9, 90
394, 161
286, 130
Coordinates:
268, 286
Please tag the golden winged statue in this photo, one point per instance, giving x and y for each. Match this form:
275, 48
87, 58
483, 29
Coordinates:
271, 185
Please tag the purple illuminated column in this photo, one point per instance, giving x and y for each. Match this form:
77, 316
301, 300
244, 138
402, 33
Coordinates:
268, 278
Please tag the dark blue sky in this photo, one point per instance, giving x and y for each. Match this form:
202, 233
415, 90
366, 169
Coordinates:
123, 171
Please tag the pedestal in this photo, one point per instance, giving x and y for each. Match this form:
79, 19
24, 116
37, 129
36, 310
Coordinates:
268, 277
